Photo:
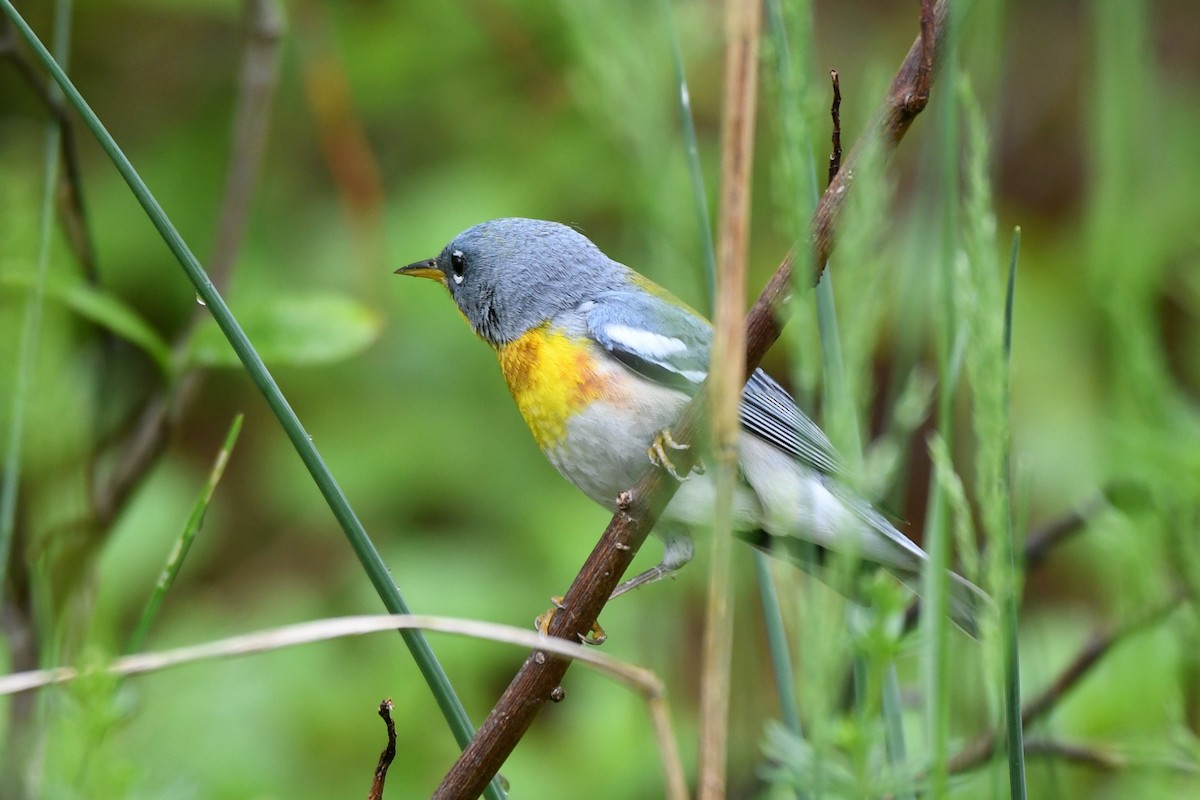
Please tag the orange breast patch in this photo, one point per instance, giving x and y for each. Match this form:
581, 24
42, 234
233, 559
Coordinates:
551, 376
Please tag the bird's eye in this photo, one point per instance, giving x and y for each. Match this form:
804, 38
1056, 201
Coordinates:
458, 263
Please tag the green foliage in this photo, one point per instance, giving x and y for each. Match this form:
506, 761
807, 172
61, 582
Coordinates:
105, 310
460, 112
293, 331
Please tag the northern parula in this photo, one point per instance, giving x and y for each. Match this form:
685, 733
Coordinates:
601, 362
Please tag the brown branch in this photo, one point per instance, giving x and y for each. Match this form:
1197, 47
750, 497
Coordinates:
835, 111
982, 747
640, 507
388, 754
916, 101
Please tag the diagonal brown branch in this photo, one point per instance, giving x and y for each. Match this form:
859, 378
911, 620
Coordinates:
639, 508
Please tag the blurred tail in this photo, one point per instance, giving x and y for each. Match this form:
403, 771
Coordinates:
967, 601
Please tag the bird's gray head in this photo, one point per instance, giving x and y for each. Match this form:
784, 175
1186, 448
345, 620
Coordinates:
510, 275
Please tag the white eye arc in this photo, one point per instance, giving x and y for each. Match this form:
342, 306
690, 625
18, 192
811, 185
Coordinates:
458, 265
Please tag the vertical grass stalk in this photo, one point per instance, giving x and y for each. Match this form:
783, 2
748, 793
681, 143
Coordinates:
934, 622
28, 744
687, 126
1012, 662
726, 378
32, 322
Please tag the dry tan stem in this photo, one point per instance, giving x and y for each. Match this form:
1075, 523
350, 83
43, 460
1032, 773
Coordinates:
743, 21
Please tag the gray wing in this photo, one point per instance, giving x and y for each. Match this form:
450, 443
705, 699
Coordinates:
669, 344
772, 415
658, 340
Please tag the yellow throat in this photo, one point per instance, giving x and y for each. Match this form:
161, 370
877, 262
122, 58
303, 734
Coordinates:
552, 377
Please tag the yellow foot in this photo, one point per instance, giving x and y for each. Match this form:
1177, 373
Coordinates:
659, 457
595, 636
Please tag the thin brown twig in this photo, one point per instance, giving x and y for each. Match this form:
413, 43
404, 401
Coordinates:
388, 754
259, 76
1075, 754
981, 748
1041, 541
71, 207
1038, 544
835, 111
257, 82
639, 507
1103, 759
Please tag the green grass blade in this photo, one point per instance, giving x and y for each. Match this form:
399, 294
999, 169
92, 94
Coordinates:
1009, 296
363, 547
840, 416
32, 322
777, 644
183, 544
695, 172
934, 622
26, 743
893, 722
1012, 664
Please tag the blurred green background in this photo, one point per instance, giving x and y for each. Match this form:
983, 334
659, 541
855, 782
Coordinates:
395, 126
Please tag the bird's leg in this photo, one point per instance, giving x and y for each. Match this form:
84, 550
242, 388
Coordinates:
595, 636
659, 457
677, 551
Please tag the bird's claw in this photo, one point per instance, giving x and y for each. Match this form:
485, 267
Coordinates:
659, 457
595, 635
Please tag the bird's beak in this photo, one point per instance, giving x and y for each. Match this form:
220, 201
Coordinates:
424, 269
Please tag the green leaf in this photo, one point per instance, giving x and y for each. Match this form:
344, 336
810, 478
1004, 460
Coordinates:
306, 330
104, 309
183, 544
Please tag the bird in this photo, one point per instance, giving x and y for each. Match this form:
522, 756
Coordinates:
601, 362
